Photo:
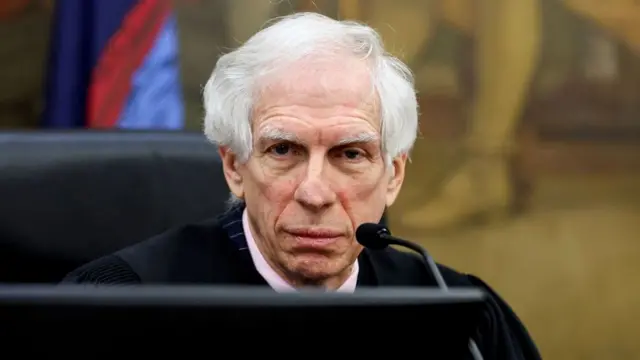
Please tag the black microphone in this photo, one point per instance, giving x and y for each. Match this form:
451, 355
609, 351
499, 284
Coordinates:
377, 237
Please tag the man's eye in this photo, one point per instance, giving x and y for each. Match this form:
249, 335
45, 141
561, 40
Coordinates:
352, 154
282, 149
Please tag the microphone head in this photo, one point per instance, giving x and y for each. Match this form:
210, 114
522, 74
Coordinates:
371, 236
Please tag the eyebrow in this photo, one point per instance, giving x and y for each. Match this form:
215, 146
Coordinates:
365, 137
276, 134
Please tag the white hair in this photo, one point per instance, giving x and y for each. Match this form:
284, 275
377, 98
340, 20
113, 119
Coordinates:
232, 89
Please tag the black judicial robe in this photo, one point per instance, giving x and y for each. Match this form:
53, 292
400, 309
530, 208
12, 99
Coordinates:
215, 252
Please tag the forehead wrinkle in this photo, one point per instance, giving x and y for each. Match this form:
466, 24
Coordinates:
334, 80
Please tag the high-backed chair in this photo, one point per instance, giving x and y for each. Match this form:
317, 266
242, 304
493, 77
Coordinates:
69, 197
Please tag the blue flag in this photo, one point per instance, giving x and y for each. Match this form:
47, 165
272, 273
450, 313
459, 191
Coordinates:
114, 64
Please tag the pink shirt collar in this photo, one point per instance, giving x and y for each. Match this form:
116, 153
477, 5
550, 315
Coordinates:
273, 279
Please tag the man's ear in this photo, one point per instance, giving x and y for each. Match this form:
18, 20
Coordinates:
230, 166
397, 178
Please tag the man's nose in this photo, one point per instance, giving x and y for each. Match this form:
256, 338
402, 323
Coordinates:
314, 191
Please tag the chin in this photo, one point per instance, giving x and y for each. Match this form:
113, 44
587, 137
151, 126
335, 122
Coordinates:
317, 267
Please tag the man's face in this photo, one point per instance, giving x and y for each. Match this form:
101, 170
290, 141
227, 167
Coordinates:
316, 171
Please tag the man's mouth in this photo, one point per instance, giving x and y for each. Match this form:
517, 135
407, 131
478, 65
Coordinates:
314, 237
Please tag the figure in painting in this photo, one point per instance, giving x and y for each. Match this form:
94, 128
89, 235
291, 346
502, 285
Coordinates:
507, 37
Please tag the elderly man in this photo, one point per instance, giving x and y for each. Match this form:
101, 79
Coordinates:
314, 122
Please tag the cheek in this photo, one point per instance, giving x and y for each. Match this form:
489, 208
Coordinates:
271, 196
359, 186
276, 189
362, 197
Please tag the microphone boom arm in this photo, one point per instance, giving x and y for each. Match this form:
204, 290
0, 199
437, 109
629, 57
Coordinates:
432, 267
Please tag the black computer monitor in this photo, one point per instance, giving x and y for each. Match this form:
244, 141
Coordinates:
198, 318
